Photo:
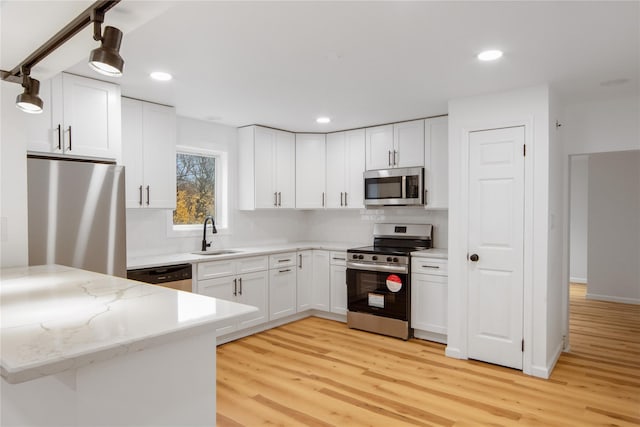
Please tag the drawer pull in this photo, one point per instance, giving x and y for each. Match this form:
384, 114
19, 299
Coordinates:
430, 266
284, 271
339, 259
284, 260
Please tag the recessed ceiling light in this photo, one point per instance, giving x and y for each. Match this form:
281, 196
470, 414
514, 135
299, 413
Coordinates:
161, 76
490, 55
323, 120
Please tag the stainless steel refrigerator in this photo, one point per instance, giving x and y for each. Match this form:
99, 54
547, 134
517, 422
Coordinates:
77, 214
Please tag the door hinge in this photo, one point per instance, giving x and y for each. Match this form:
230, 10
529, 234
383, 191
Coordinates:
522, 345
524, 149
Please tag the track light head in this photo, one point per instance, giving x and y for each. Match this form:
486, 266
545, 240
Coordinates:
29, 101
106, 59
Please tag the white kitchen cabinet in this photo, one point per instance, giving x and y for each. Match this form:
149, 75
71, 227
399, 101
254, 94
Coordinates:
149, 154
321, 294
81, 118
266, 168
396, 145
243, 280
429, 294
282, 285
304, 280
338, 279
345, 168
436, 174
310, 170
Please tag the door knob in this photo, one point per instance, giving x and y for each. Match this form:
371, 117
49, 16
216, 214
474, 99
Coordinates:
474, 257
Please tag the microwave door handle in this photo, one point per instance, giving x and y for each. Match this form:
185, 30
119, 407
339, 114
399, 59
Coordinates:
404, 187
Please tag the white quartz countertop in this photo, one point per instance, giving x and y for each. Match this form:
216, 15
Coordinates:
56, 318
432, 253
180, 258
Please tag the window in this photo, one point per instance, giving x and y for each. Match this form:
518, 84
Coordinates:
195, 188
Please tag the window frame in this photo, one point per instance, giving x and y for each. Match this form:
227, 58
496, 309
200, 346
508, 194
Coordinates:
221, 195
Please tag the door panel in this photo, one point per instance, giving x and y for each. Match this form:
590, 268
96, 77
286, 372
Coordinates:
496, 235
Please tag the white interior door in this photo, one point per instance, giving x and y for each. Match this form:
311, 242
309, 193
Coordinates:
496, 239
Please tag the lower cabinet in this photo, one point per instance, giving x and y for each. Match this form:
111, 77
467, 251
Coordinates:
282, 285
429, 293
338, 280
321, 283
304, 280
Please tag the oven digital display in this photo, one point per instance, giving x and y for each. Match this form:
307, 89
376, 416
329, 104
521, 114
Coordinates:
400, 229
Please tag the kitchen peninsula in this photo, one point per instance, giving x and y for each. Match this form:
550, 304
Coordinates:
82, 348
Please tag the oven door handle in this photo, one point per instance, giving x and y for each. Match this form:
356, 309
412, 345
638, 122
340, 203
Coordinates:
377, 267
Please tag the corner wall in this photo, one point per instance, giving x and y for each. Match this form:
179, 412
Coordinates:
578, 181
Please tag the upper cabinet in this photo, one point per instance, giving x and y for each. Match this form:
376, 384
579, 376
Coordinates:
149, 154
345, 167
266, 168
81, 118
310, 170
436, 160
395, 145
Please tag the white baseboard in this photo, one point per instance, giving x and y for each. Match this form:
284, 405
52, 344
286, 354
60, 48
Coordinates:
430, 336
610, 298
545, 371
582, 280
454, 352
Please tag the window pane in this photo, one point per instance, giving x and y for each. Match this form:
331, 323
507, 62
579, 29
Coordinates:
195, 195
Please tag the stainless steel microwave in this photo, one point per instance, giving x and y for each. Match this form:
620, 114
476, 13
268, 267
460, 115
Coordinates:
394, 187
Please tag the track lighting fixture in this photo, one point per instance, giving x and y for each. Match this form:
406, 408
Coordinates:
29, 101
106, 59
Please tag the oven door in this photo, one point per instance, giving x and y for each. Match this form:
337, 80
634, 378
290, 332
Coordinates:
383, 293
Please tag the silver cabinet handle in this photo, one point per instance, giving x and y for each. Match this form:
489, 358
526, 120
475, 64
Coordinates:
275, 198
148, 193
235, 287
395, 163
240, 280
389, 158
339, 259
341, 199
140, 201
279, 198
345, 199
69, 137
430, 266
284, 260
323, 199
300, 265
59, 136
284, 271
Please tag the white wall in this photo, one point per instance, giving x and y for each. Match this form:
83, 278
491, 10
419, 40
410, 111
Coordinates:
529, 107
579, 170
13, 187
614, 227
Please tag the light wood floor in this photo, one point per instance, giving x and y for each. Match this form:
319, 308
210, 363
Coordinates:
318, 372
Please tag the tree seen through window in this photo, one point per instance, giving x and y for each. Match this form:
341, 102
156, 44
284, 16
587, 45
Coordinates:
195, 189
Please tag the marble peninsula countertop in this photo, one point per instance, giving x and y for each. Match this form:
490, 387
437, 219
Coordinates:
56, 318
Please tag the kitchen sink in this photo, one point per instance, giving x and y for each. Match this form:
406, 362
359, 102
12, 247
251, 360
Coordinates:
218, 252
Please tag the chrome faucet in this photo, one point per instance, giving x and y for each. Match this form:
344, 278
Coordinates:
205, 245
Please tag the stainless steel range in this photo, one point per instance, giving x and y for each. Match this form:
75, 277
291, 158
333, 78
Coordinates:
378, 279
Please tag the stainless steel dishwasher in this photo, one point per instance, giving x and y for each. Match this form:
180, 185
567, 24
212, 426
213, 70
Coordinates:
171, 276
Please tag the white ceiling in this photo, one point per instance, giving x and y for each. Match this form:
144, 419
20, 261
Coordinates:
283, 64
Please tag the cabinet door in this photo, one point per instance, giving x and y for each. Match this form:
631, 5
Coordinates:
321, 292
304, 280
336, 167
132, 151
265, 161
408, 142
282, 292
379, 149
355, 154
429, 303
91, 117
253, 290
285, 169
436, 174
222, 288
310, 171
159, 136
42, 131
338, 289
215, 269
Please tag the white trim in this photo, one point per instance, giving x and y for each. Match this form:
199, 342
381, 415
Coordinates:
578, 280
430, 336
545, 372
610, 298
454, 353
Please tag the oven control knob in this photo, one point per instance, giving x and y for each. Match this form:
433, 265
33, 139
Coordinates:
375, 257
355, 256
395, 259
360, 256
389, 259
